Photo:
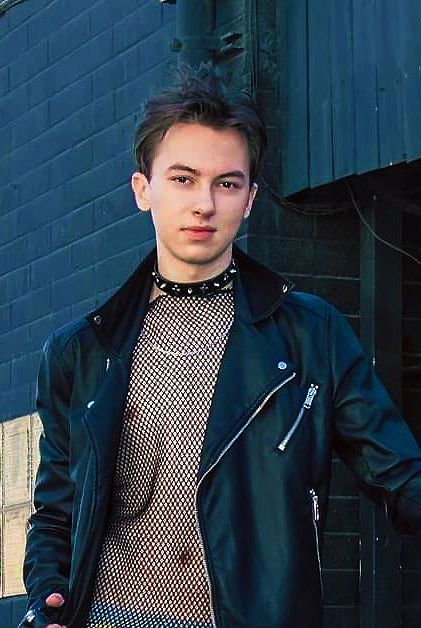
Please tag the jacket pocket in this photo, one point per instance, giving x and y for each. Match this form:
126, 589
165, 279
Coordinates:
311, 393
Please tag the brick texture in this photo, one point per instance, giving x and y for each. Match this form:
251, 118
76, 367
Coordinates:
72, 78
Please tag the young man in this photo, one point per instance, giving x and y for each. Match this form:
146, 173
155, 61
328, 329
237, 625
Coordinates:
189, 422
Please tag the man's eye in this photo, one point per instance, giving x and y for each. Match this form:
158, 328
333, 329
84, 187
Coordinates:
180, 179
229, 185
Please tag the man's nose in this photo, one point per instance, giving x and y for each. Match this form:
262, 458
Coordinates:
205, 203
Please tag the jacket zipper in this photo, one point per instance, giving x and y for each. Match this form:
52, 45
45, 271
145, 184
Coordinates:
315, 511
223, 452
311, 393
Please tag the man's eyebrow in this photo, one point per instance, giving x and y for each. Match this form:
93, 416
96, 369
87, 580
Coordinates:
183, 167
233, 173
239, 174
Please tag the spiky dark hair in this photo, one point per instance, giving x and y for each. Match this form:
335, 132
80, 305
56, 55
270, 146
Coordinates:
199, 96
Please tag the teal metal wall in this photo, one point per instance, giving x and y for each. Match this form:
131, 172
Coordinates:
350, 87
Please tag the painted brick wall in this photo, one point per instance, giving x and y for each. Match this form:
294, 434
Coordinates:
72, 77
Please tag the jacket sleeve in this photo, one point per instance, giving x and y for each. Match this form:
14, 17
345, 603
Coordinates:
47, 556
370, 434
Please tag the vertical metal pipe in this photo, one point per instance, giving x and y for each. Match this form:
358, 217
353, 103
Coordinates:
381, 336
195, 29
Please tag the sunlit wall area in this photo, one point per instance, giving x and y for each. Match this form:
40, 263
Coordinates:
18, 464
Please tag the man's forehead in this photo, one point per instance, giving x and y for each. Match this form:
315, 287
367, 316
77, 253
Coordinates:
202, 148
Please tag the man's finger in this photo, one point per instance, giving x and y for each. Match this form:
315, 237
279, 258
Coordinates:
55, 600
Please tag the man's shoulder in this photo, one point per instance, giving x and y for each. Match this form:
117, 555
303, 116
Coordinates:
308, 302
311, 312
69, 334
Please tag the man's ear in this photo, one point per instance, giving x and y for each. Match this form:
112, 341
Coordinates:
252, 196
140, 187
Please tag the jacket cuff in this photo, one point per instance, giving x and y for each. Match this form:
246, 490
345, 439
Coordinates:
37, 618
38, 614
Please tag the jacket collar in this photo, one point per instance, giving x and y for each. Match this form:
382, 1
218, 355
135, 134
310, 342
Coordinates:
262, 289
258, 292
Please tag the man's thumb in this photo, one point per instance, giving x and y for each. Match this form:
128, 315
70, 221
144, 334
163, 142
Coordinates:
55, 600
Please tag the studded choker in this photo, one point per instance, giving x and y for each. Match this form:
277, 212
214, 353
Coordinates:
196, 289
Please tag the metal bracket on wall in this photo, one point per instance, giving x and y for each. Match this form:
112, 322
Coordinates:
230, 44
223, 47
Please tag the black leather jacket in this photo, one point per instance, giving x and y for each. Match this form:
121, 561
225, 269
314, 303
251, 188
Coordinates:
293, 384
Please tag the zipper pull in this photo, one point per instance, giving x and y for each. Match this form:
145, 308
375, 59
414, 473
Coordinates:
312, 392
107, 364
315, 504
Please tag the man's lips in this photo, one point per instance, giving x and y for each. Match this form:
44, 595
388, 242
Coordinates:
199, 229
199, 233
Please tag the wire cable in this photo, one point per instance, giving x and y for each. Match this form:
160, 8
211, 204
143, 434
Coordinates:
373, 233
391, 196
308, 209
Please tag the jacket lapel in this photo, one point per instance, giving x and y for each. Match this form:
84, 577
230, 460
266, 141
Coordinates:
103, 418
253, 365
120, 320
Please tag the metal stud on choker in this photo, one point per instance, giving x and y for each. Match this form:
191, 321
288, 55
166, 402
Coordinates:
196, 289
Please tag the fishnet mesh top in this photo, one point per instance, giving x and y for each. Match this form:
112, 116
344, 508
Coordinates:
151, 570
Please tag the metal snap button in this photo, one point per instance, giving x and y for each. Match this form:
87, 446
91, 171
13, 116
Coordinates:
90, 404
97, 319
282, 366
284, 288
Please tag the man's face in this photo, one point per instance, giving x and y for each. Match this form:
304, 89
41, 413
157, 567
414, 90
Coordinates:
198, 194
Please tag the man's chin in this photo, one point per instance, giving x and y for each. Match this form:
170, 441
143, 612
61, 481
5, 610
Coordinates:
201, 258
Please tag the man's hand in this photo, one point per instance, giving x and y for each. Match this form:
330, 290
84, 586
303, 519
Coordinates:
38, 618
55, 600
